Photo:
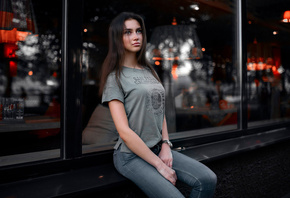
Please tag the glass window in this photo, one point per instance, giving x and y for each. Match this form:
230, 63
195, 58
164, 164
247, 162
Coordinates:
190, 45
268, 62
30, 75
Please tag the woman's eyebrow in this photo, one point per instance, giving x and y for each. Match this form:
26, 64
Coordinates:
132, 28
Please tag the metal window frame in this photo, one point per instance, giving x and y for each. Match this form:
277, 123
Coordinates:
241, 55
71, 79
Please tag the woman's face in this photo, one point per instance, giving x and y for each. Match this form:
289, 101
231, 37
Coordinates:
132, 36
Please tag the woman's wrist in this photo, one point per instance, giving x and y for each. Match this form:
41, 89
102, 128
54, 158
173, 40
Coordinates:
158, 164
167, 142
164, 145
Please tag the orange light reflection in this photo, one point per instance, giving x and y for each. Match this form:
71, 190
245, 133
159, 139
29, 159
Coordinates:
173, 72
157, 63
12, 36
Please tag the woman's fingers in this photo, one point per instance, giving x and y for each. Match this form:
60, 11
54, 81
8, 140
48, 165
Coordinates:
173, 177
168, 163
168, 173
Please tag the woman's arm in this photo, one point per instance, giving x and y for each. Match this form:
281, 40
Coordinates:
165, 135
165, 153
135, 143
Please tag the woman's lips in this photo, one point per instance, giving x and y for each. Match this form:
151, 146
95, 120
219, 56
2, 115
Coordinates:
136, 44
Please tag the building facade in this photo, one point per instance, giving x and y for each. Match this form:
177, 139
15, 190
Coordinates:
224, 64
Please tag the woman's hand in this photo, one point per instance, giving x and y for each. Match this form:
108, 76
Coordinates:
165, 155
167, 173
166, 169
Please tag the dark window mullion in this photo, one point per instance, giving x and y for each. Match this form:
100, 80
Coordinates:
241, 54
72, 79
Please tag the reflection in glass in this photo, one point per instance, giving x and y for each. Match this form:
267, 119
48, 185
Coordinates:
268, 62
175, 47
30, 78
200, 85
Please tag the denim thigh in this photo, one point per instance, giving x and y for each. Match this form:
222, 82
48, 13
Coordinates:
145, 176
195, 174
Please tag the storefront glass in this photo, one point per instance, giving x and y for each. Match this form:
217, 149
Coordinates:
268, 62
30, 77
190, 45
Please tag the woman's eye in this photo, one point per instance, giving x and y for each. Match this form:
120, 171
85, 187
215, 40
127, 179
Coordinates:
127, 32
139, 31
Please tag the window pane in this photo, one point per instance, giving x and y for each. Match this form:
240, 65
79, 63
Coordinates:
268, 62
30, 74
190, 45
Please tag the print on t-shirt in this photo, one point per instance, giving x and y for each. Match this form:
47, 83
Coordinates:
155, 101
155, 97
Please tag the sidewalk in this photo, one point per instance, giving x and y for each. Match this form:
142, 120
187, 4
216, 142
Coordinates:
286, 196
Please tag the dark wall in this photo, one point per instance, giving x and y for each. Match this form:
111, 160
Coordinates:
260, 173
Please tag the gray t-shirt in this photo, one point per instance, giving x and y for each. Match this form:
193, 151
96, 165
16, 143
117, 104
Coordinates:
144, 99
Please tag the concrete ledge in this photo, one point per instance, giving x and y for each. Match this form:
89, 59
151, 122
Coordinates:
215, 150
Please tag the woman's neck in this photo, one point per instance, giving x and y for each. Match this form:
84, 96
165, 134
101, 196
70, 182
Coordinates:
130, 60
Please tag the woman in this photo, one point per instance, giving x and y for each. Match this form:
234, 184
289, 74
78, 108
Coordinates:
136, 98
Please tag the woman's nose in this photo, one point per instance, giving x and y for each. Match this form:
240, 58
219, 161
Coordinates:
135, 36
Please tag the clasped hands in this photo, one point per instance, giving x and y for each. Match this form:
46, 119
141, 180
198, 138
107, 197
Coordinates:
166, 168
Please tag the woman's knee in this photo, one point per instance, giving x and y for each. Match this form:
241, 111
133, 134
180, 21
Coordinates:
208, 180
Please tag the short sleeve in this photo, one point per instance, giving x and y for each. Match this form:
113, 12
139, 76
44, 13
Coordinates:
112, 91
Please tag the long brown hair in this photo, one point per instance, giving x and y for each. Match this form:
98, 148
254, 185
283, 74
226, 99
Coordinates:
115, 56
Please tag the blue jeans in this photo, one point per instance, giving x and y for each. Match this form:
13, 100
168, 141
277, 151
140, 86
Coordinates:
199, 177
